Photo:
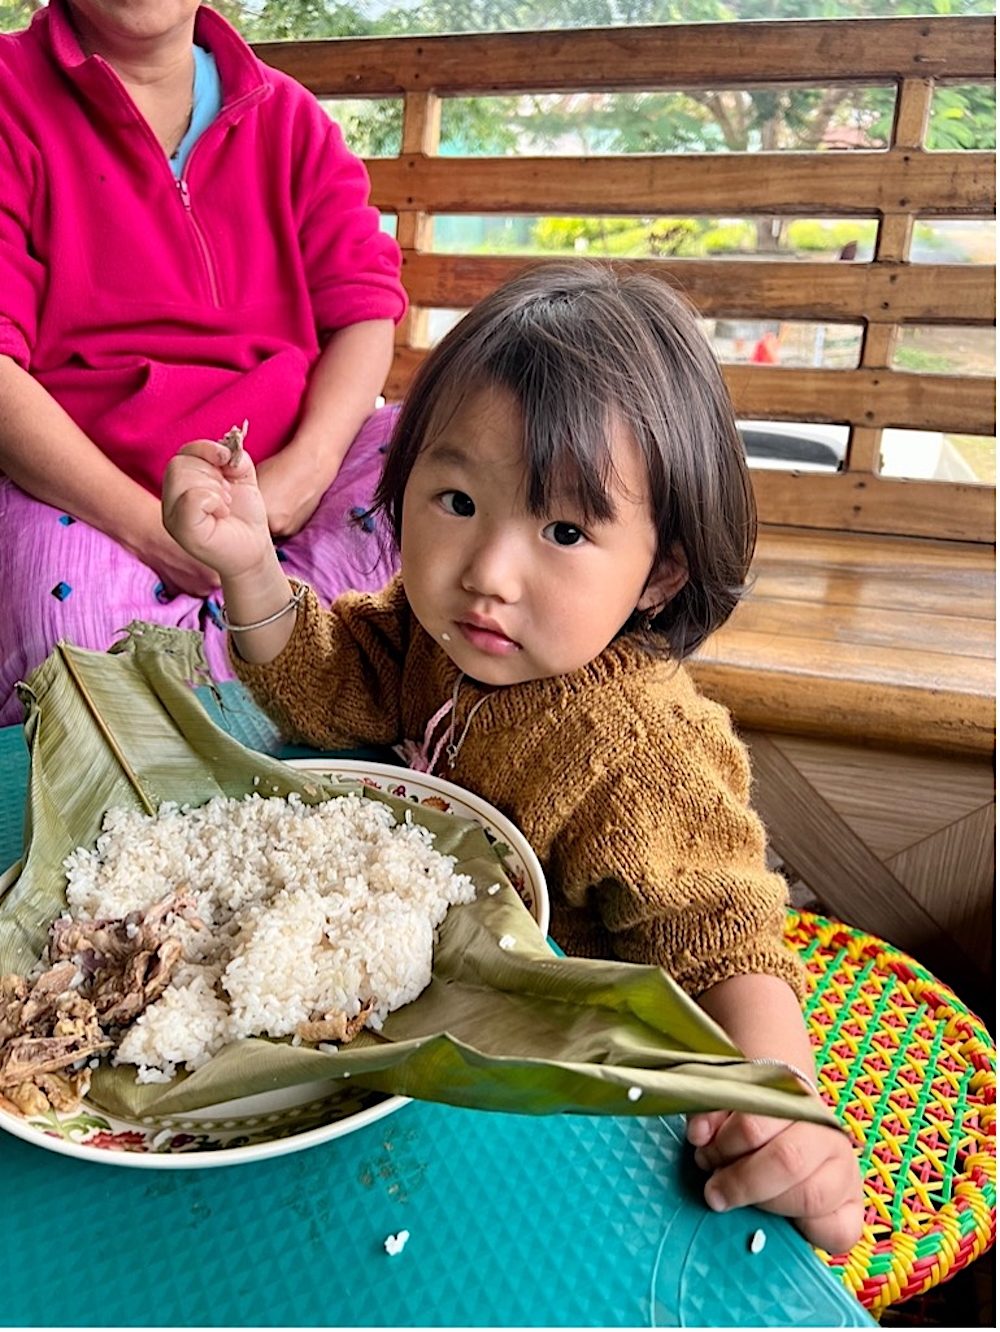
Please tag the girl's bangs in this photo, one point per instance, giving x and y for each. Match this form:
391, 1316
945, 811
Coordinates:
568, 461
566, 426
564, 389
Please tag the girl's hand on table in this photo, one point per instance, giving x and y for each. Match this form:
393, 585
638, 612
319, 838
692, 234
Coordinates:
803, 1171
214, 510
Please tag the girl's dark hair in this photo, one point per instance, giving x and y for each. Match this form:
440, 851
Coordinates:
582, 348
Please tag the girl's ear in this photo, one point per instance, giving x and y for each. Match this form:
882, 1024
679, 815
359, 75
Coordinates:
665, 581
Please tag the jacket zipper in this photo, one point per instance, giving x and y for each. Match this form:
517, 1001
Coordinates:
225, 116
199, 235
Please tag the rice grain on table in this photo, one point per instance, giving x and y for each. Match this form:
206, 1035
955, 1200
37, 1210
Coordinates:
304, 910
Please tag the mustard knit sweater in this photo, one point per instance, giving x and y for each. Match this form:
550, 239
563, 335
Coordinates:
630, 786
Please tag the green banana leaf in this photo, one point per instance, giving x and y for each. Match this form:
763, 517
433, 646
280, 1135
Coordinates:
518, 1030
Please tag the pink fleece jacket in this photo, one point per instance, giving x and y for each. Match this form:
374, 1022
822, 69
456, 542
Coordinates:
158, 311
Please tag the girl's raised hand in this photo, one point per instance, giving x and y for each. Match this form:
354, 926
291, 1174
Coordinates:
803, 1171
213, 508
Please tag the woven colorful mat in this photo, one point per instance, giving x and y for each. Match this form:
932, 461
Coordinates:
911, 1073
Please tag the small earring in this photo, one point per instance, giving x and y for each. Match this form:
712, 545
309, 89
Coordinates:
647, 618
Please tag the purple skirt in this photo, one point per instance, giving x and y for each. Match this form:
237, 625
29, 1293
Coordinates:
61, 579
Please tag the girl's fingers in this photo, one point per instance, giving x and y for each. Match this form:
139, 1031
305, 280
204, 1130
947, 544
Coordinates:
804, 1171
702, 1127
737, 1136
238, 466
837, 1232
208, 450
827, 1204
197, 506
219, 505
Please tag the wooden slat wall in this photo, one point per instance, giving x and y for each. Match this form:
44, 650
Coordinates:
896, 187
789, 184
701, 55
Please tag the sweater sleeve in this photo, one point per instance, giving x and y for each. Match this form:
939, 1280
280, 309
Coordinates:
22, 274
337, 681
352, 266
671, 857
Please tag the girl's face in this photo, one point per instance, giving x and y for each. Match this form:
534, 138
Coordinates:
511, 596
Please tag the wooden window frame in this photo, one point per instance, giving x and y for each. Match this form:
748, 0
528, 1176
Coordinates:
896, 186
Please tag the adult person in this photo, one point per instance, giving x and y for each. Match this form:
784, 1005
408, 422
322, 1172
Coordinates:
185, 243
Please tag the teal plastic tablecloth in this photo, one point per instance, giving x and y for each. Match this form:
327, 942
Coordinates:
526, 1221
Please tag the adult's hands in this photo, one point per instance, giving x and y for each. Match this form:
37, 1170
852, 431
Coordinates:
292, 487
177, 570
44, 452
343, 386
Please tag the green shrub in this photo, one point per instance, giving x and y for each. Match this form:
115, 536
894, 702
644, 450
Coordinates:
675, 235
564, 233
809, 234
730, 237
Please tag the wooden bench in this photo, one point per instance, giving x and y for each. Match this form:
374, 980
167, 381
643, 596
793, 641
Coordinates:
861, 672
877, 640
860, 666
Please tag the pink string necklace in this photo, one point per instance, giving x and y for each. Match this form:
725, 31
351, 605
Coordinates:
419, 757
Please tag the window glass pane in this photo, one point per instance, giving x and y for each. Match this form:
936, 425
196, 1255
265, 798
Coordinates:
850, 239
440, 322
372, 127
954, 241
933, 349
963, 116
785, 342
932, 456
264, 20
776, 119
745, 341
800, 446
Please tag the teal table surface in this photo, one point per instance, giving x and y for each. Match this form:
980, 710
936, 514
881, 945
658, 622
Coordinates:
514, 1221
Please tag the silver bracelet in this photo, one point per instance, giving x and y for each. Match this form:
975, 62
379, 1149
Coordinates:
797, 1073
296, 597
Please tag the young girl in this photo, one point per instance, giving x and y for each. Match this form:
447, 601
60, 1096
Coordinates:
569, 494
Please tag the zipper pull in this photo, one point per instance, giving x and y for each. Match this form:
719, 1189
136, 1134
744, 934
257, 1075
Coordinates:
185, 193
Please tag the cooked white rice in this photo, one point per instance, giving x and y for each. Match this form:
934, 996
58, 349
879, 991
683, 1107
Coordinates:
308, 909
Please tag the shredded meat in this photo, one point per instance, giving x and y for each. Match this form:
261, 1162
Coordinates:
120, 995
127, 963
35, 1096
13, 992
58, 1028
335, 1026
103, 974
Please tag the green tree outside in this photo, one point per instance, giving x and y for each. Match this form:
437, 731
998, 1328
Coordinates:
738, 120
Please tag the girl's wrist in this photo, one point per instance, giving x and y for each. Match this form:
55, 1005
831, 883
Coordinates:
807, 1080
259, 609
260, 587
265, 621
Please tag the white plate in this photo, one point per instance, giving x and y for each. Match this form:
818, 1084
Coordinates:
274, 1123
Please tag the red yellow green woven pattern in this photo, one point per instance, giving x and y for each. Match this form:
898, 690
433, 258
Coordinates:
911, 1073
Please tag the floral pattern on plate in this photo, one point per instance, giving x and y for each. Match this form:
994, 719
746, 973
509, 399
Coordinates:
92, 1129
